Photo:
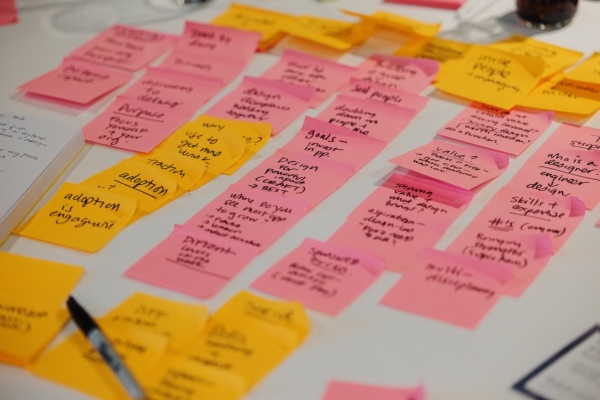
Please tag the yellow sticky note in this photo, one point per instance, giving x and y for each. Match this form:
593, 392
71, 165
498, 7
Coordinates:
146, 185
336, 34
400, 22
274, 316
268, 23
37, 279
184, 171
245, 350
446, 52
492, 77
75, 363
556, 58
179, 322
196, 381
561, 95
80, 217
27, 325
587, 71
203, 144
254, 134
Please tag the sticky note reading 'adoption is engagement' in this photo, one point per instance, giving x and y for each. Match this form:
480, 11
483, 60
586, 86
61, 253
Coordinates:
323, 276
264, 100
80, 217
374, 91
297, 175
179, 91
367, 117
324, 76
516, 211
331, 142
493, 77
193, 262
528, 254
463, 166
253, 217
567, 164
133, 125
448, 287
125, 47
507, 131
408, 74
403, 216
76, 81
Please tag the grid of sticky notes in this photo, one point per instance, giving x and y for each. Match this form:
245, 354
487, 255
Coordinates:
32, 293
173, 347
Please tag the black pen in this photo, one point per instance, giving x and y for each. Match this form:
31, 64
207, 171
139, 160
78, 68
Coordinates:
93, 333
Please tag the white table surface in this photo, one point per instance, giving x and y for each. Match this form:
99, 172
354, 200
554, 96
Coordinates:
367, 342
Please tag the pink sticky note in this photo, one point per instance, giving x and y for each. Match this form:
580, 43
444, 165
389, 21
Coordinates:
324, 76
8, 12
374, 91
450, 287
528, 254
179, 91
214, 67
133, 125
381, 121
515, 211
567, 164
205, 41
125, 47
449, 4
264, 100
487, 126
402, 217
192, 262
338, 390
253, 217
76, 81
325, 141
297, 176
323, 276
402, 73
463, 166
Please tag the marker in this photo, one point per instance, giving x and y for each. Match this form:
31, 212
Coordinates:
93, 333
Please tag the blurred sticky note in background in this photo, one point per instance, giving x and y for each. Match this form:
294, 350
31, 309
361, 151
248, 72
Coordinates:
8, 12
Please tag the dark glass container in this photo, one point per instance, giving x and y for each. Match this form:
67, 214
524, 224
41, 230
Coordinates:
547, 13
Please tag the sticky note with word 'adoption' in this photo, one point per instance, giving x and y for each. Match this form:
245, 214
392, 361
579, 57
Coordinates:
402, 216
496, 129
463, 166
323, 276
374, 91
256, 218
326, 141
564, 165
493, 77
135, 125
179, 322
125, 47
298, 176
179, 90
264, 100
449, 287
514, 211
193, 262
80, 217
76, 81
367, 117
325, 76
528, 254
556, 58
401, 73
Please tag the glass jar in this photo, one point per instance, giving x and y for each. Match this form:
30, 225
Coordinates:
546, 13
